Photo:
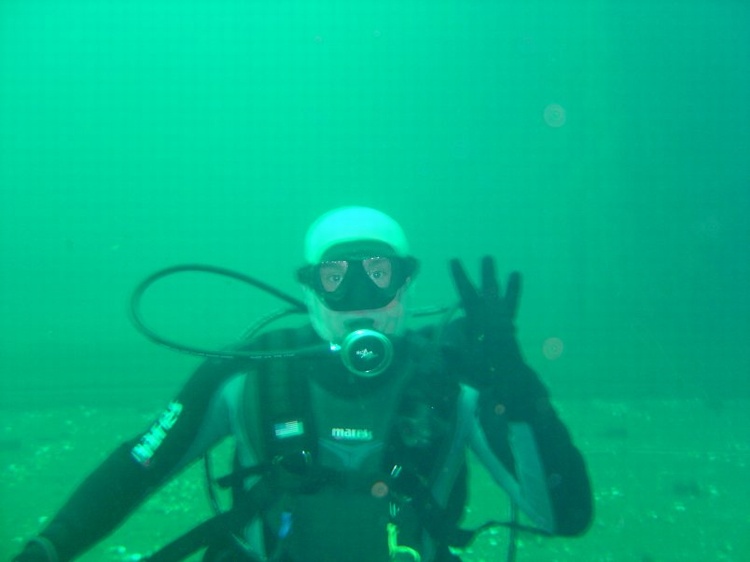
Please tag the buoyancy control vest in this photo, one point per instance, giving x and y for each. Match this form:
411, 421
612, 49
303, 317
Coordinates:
352, 460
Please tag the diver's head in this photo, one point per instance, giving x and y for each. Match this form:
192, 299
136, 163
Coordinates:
357, 273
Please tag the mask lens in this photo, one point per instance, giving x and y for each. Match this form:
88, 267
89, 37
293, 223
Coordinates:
332, 274
379, 270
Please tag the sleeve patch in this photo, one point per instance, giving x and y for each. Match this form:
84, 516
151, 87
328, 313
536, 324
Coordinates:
144, 451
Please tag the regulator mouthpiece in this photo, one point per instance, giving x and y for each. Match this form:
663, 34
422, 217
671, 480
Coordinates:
366, 353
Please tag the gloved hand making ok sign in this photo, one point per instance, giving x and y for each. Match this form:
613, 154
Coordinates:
489, 329
491, 360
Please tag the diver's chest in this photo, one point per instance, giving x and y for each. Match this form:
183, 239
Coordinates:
352, 431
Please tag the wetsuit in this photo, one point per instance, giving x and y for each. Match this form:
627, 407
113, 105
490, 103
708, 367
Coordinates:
419, 415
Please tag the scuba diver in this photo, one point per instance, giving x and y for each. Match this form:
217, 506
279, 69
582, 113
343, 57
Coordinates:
350, 432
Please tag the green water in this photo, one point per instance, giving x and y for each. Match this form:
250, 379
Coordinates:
601, 148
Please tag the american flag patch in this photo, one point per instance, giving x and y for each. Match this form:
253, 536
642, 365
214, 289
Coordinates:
288, 429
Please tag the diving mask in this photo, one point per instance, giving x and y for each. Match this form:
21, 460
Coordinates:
358, 283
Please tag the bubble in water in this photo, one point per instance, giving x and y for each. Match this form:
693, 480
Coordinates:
554, 115
552, 348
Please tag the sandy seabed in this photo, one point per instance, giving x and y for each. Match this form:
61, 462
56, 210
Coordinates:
671, 483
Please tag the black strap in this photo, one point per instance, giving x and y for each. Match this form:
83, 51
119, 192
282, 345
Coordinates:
259, 497
284, 399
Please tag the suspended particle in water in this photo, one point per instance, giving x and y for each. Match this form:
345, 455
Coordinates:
554, 115
710, 227
552, 348
379, 490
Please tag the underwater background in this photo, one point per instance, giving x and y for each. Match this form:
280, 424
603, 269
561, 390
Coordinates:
600, 148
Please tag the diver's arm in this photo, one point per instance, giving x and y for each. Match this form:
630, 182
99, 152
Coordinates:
518, 434
191, 423
528, 450
96, 507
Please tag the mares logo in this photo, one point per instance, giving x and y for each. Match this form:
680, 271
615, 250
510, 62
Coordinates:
351, 434
146, 447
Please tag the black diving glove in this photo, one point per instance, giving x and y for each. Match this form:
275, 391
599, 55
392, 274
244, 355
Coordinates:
37, 550
491, 351
484, 344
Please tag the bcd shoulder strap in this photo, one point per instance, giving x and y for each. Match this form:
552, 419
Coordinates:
278, 416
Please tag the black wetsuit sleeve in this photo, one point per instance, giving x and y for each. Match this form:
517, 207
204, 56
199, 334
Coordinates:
567, 481
137, 467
